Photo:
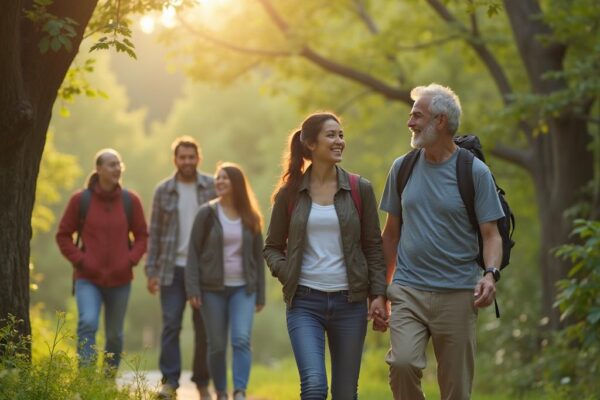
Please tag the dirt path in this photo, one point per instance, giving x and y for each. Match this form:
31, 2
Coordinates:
187, 389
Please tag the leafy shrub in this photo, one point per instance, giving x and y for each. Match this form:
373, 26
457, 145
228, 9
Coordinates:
56, 375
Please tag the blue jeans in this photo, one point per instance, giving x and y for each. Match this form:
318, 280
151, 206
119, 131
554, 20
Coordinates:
312, 315
89, 298
172, 301
232, 307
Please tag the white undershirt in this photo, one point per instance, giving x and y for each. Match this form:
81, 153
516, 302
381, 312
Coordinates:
187, 206
233, 271
323, 265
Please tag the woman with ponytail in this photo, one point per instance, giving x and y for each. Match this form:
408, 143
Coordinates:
225, 275
324, 245
103, 215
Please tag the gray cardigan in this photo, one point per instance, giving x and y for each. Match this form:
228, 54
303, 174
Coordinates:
204, 270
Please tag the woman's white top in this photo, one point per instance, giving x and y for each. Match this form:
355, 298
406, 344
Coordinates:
323, 265
233, 270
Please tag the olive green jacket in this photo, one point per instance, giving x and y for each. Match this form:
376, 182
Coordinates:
204, 270
362, 248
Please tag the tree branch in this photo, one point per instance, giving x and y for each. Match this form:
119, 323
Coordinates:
277, 19
482, 51
337, 68
357, 76
523, 158
364, 16
433, 43
538, 57
231, 46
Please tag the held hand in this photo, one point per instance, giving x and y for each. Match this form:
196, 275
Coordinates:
485, 291
378, 312
153, 285
381, 318
377, 308
259, 307
195, 301
379, 324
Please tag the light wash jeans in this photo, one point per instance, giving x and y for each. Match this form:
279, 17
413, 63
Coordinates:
232, 308
90, 298
312, 315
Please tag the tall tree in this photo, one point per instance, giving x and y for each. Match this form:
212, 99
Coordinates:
30, 81
38, 41
384, 47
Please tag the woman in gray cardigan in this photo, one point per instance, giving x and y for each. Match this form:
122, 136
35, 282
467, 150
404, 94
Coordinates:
225, 275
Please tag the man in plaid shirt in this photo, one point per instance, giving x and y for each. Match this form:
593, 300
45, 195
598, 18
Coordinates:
175, 203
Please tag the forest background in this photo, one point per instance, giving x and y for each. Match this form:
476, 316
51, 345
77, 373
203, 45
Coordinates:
241, 108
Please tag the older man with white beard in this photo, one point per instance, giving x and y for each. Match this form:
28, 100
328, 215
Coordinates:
430, 248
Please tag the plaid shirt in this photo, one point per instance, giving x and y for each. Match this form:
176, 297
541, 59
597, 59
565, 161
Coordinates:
164, 225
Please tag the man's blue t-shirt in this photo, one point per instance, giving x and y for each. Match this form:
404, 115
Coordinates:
438, 245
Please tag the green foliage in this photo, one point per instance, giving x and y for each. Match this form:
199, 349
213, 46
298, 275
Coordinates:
574, 24
576, 350
54, 374
58, 172
76, 82
57, 32
579, 296
119, 40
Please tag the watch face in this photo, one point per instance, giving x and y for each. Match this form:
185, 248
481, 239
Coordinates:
495, 273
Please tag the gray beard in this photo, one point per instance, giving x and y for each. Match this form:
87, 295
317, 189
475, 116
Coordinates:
428, 136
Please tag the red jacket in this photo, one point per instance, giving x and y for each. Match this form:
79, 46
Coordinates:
107, 259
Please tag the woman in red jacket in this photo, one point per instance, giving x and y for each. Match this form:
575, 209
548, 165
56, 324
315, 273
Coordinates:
102, 215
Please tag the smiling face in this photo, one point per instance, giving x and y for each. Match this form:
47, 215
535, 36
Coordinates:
422, 124
330, 143
223, 186
109, 170
186, 161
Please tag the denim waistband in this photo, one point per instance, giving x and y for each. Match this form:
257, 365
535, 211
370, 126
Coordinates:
308, 290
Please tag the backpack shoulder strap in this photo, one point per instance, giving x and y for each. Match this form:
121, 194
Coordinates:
466, 187
127, 205
84, 205
406, 168
355, 192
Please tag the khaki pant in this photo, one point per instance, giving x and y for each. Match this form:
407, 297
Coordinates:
449, 318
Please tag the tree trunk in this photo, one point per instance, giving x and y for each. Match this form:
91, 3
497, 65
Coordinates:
559, 187
30, 81
562, 163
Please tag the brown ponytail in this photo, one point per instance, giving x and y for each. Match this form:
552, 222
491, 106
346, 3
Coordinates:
92, 179
295, 160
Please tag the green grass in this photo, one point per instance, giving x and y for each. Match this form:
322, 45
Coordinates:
280, 381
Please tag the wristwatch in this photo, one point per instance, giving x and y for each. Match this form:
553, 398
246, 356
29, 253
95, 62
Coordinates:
494, 271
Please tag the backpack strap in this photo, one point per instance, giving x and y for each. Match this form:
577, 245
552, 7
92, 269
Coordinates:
128, 207
84, 205
408, 164
355, 193
466, 187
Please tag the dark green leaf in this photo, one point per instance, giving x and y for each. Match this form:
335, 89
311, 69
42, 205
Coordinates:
44, 44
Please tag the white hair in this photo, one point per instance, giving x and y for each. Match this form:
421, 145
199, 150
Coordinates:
443, 101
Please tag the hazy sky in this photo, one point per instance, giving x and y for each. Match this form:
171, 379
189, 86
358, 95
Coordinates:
149, 84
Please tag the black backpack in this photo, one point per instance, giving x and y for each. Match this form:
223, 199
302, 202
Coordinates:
84, 205
469, 147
